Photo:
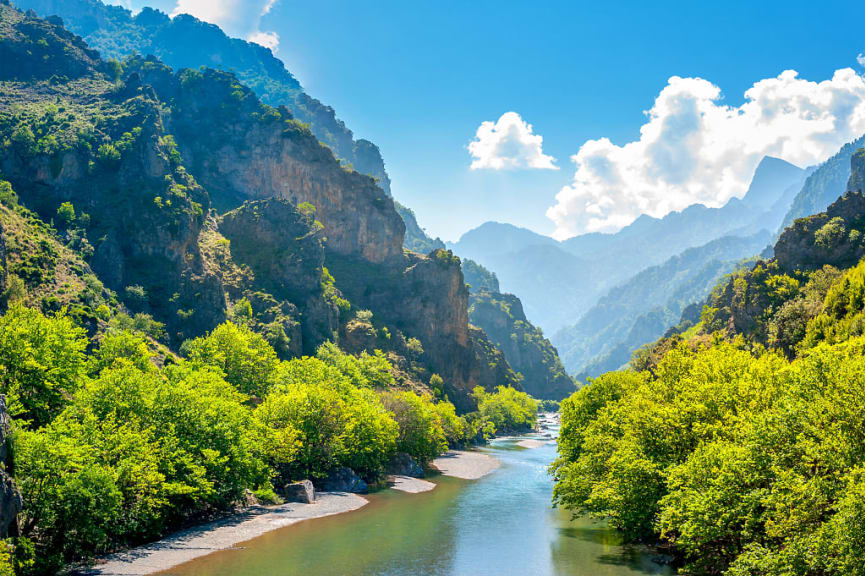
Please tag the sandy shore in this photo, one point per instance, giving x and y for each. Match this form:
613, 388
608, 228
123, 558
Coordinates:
223, 534
228, 533
409, 484
531, 443
466, 465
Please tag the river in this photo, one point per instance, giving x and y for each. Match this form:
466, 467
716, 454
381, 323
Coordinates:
500, 525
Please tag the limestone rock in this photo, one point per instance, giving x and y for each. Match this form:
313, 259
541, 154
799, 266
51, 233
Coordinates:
302, 492
344, 479
502, 318
285, 249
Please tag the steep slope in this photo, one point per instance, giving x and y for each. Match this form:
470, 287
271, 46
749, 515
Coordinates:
640, 310
823, 186
416, 238
779, 302
194, 201
186, 42
502, 318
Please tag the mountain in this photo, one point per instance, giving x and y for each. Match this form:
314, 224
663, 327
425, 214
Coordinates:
182, 198
559, 281
416, 238
823, 187
186, 42
640, 310
809, 292
528, 352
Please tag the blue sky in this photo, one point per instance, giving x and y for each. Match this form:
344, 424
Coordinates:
419, 78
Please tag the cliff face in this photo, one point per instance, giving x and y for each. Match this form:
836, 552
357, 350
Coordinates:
285, 251
502, 318
186, 42
104, 151
426, 297
257, 152
836, 236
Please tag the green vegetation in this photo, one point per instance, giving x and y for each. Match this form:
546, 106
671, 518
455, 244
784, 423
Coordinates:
738, 442
508, 409
112, 447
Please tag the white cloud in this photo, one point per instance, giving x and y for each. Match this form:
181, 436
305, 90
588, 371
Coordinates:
694, 149
266, 39
241, 18
861, 60
508, 144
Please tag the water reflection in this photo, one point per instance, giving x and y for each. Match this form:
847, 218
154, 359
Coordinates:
501, 525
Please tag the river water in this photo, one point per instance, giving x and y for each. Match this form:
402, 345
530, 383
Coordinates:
500, 525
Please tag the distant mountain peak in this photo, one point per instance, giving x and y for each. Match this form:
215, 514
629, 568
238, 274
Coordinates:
771, 178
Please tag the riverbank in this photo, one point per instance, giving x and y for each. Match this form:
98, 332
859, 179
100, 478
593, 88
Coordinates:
225, 534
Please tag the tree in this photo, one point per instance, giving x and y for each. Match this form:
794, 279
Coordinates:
42, 363
246, 359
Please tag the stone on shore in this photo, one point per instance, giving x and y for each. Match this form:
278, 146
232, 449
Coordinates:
302, 492
403, 464
344, 479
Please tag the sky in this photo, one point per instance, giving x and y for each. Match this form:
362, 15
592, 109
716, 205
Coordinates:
568, 117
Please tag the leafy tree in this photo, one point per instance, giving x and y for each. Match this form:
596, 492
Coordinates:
42, 362
421, 433
508, 409
246, 359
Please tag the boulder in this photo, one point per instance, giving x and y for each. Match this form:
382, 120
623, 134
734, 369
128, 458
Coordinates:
403, 464
302, 492
344, 480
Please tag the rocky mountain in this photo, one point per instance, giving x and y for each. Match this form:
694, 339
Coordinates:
560, 281
528, 352
186, 42
640, 310
180, 195
810, 291
822, 187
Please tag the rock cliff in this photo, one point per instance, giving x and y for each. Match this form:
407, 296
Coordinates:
139, 161
284, 248
241, 149
836, 236
502, 318
426, 297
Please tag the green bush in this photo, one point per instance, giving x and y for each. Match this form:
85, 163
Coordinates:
42, 362
507, 409
421, 433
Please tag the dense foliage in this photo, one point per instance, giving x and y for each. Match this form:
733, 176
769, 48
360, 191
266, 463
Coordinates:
112, 447
740, 441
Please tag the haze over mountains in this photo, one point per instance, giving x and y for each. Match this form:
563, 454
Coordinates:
601, 296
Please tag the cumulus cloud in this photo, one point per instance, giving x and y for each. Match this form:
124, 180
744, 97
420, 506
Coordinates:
509, 144
695, 149
237, 17
861, 60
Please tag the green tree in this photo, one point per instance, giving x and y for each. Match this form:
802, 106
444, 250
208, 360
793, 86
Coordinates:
246, 359
42, 362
